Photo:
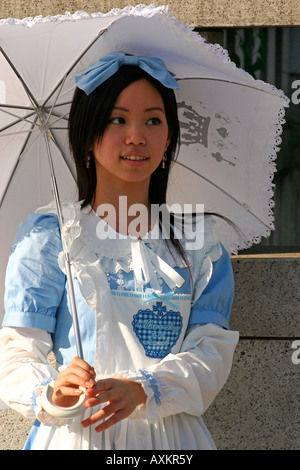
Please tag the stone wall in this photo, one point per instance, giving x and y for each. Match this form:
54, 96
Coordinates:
258, 409
201, 13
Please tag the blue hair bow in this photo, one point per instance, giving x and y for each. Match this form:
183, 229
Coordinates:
108, 65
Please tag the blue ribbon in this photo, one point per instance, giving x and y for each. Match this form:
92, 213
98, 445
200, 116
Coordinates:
164, 297
108, 65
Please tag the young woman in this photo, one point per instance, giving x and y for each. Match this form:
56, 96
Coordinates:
153, 314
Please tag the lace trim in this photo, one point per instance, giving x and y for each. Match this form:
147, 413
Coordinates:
256, 229
37, 393
153, 384
146, 377
117, 257
139, 10
146, 11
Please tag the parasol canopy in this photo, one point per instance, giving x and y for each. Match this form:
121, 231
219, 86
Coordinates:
230, 122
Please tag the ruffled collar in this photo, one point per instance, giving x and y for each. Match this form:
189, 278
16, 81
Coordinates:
93, 258
84, 231
86, 224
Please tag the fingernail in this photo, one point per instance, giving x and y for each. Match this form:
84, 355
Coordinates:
90, 383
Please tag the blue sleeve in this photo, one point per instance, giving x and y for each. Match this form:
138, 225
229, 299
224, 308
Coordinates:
214, 304
34, 283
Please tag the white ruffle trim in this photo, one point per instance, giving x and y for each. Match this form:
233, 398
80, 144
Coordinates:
38, 410
256, 229
146, 11
151, 389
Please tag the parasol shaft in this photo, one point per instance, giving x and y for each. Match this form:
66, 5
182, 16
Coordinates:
73, 306
65, 251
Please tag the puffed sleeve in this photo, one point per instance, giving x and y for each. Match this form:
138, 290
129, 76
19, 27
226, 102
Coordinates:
34, 287
24, 368
214, 303
189, 381
34, 283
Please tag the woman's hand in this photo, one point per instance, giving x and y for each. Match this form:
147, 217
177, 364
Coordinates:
122, 397
66, 387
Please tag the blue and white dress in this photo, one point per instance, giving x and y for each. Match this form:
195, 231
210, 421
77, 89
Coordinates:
165, 331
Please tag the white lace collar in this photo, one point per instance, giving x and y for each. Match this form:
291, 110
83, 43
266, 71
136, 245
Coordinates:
115, 252
130, 252
80, 228
92, 258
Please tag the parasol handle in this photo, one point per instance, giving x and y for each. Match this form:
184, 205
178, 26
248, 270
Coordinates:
61, 411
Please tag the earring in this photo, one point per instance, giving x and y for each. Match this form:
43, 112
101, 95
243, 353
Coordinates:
164, 160
88, 159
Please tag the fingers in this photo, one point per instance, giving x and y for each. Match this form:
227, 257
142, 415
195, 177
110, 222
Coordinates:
121, 395
78, 374
111, 416
82, 368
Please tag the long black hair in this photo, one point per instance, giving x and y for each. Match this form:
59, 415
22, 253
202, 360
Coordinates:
89, 116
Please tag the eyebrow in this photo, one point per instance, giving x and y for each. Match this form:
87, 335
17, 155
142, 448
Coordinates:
156, 108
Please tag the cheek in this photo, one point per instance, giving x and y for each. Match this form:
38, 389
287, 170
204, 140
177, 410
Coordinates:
165, 142
161, 139
106, 146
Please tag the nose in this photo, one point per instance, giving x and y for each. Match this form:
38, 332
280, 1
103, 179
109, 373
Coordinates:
135, 135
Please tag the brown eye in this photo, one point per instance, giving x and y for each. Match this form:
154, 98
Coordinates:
117, 120
154, 121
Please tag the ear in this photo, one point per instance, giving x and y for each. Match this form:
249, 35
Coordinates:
168, 141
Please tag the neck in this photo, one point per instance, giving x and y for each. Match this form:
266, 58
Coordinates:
125, 207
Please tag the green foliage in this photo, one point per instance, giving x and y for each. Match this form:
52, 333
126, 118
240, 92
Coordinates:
254, 59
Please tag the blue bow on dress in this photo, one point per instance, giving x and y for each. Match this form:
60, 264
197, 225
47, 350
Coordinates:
108, 65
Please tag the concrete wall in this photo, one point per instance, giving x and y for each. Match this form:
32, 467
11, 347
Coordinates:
258, 409
201, 13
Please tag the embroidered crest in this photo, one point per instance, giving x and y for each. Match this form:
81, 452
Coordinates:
158, 330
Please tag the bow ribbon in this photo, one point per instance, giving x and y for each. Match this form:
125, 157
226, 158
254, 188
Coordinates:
144, 260
106, 66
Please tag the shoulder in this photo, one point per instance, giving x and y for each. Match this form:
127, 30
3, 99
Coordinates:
196, 232
202, 246
39, 229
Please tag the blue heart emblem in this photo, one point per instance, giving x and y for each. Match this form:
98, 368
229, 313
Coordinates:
158, 330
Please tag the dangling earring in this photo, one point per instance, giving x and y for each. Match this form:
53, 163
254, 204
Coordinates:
164, 160
88, 159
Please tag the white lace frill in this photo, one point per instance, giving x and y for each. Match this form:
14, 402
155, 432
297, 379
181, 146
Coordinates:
146, 11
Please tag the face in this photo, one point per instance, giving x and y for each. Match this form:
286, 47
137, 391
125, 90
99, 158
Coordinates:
135, 138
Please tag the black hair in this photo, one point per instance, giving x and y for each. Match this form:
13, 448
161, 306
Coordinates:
89, 116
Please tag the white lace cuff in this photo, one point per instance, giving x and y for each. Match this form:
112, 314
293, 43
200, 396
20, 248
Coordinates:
38, 410
151, 389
